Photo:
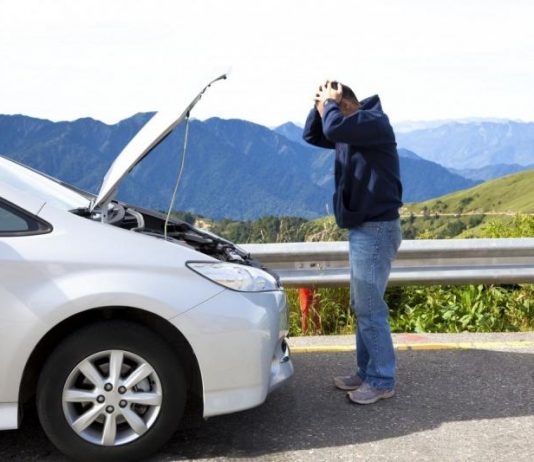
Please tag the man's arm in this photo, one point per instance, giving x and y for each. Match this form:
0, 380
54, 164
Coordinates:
361, 128
313, 131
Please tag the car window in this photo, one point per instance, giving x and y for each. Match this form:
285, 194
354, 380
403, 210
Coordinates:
16, 222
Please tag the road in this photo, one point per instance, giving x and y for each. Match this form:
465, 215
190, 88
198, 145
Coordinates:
452, 404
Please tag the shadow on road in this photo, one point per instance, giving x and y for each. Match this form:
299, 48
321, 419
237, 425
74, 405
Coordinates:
434, 387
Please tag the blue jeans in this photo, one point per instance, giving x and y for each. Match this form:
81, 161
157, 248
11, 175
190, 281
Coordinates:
372, 248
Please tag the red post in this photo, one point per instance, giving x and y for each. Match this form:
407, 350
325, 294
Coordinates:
308, 298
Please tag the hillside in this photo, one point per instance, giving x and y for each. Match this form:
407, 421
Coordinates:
509, 194
470, 213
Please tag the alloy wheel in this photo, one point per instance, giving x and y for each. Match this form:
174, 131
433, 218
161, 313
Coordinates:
112, 398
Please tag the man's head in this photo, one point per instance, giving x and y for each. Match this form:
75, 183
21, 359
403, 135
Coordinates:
349, 103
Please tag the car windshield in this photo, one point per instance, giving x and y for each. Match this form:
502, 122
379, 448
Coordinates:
41, 186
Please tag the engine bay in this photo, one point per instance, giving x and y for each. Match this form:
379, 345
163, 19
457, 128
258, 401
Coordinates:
152, 223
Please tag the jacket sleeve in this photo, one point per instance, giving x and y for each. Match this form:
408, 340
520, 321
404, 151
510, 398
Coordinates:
358, 129
313, 131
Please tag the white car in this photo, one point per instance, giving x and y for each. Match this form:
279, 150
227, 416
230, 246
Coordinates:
118, 327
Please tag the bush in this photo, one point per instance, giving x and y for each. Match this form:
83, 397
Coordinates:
449, 309
520, 226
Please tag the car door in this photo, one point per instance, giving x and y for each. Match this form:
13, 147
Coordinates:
17, 276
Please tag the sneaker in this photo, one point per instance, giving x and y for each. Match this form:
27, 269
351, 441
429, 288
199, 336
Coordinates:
366, 394
348, 382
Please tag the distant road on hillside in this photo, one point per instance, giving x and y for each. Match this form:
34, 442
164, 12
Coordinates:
463, 214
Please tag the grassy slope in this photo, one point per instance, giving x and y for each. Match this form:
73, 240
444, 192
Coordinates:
512, 193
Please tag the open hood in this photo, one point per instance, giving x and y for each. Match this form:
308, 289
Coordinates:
153, 133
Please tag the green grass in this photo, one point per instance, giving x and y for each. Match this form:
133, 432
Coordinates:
512, 194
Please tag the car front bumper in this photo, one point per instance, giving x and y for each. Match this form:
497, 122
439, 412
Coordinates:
239, 340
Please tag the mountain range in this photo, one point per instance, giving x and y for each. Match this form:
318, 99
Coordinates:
473, 145
233, 168
429, 138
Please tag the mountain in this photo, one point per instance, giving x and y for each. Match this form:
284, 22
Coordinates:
78, 152
291, 131
472, 145
489, 172
233, 168
416, 173
412, 125
473, 148
408, 154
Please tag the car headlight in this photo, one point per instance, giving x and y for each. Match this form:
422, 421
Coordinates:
236, 277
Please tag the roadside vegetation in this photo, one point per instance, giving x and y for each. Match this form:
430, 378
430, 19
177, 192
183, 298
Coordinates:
480, 212
447, 309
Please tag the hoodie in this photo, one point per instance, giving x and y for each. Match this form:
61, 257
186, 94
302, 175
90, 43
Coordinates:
367, 176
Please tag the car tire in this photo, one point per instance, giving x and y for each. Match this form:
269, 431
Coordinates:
91, 403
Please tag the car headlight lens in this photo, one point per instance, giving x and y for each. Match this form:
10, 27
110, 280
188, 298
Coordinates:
236, 277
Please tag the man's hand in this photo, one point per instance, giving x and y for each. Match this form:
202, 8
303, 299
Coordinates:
325, 92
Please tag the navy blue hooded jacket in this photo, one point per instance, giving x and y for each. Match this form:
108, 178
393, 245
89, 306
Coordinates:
367, 176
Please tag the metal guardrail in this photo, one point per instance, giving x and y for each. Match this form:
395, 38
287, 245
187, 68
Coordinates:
448, 261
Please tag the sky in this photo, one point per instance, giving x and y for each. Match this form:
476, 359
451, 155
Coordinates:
110, 59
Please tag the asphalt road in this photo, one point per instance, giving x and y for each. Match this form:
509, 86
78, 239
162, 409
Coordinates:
451, 405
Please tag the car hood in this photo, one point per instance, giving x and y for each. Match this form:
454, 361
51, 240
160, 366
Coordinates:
153, 133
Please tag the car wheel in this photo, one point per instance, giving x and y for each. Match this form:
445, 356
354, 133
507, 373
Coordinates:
112, 391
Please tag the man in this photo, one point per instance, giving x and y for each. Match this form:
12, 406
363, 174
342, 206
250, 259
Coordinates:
367, 199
